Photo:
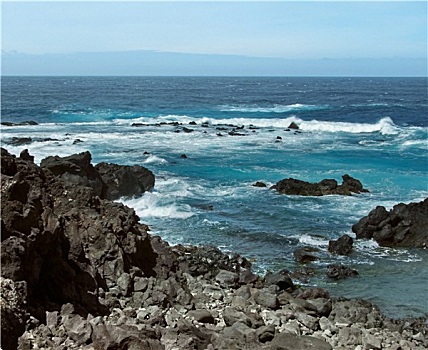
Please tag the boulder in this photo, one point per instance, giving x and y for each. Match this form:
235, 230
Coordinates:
124, 180
342, 246
338, 271
281, 279
325, 187
76, 170
288, 341
305, 255
405, 225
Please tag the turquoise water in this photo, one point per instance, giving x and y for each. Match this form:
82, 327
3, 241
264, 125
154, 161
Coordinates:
372, 129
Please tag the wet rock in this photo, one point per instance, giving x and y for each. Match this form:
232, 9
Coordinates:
259, 184
293, 125
338, 271
342, 246
18, 141
403, 226
305, 255
325, 187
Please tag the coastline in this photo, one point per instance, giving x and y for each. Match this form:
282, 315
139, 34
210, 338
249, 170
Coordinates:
80, 271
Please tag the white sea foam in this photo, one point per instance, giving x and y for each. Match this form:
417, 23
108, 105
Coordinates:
152, 159
274, 109
385, 126
152, 205
312, 241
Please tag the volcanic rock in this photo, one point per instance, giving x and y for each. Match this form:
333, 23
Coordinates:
342, 246
124, 180
405, 225
325, 187
338, 271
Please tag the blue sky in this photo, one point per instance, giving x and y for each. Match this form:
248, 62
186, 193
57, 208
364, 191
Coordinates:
293, 30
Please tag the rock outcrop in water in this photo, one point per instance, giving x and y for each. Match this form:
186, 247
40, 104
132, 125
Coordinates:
325, 187
81, 272
405, 225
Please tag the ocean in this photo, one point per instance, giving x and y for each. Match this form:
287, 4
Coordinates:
209, 139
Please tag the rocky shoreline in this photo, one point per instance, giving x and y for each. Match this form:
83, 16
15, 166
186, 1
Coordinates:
80, 272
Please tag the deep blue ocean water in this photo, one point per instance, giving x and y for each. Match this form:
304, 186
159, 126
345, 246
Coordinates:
374, 129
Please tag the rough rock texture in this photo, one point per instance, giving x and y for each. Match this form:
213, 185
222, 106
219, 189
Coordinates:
406, 225
338, 271
125, 181
342, 246
325, 187
80, 272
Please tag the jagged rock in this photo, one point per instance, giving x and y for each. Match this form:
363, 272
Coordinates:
266, 298
79, 271
25, 155
325, 187
293, 125
281, 279
76, 170
403, 226
342, 246
288, 341
338, 271
305, 255
125, 181
13, 314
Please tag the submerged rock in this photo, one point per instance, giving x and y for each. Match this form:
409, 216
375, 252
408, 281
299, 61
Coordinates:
405, 225
325, 187
338, 271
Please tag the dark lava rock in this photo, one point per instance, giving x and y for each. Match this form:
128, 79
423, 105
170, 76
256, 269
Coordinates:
281, 279
259, 184
337, 271
25, 155
342, 246
17, 141
63, 244
305, 255
325, 187
124, 180
406, 225
27, 122
293, 125
77, 170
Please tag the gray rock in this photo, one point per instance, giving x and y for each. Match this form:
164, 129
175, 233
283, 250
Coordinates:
288, 341
266, 299
305, 255
77, 328
202, 316
227, 279
371, 342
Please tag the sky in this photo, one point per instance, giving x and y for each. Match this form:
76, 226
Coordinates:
34, 33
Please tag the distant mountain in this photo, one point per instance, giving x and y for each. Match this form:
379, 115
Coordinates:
154, 63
